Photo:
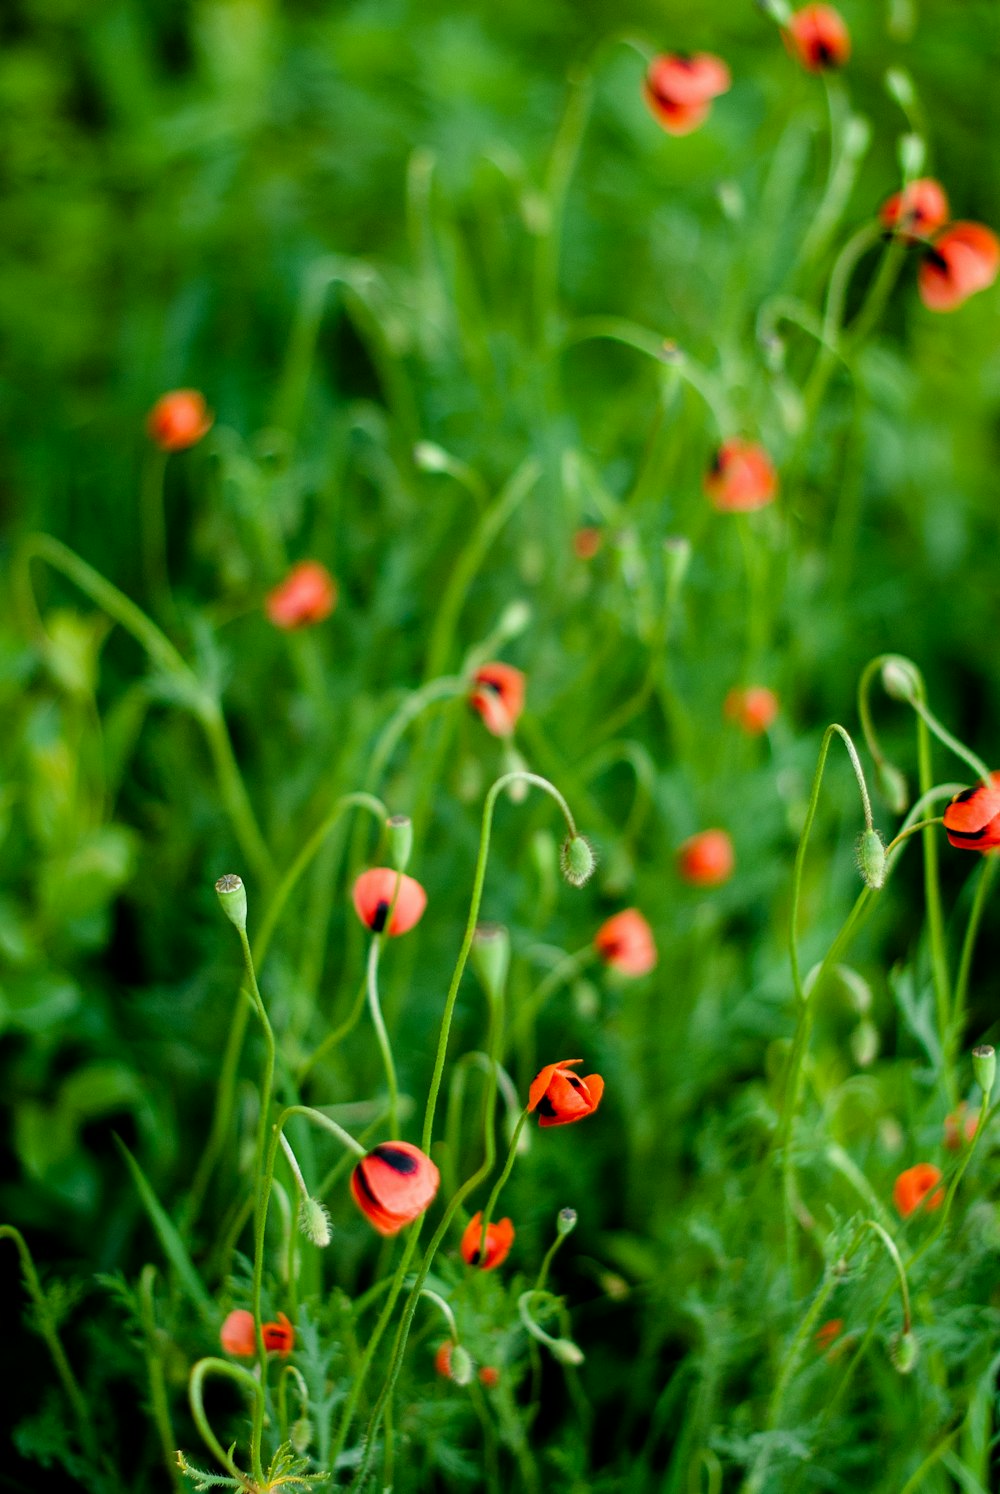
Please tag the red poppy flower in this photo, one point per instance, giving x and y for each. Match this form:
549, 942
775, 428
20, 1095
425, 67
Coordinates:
625, 942
819, 38
962, 260
238, 1335
741, 477
706, 859
561, 1097
912, 1187
498, 697
752, 709
307, 595
827, 1332
489, 1376
279, 1337
393, 1185
972, 819
499, 1239
679, 89
179, 419
919, 210
587, 542
373, 894
960, 1126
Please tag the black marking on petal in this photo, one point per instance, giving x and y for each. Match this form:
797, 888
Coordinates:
968, 834
574, 1079
378, 918
546, 1107
967, 794
366, 1187
491, 685
938, 260
393, 1157
474, 1258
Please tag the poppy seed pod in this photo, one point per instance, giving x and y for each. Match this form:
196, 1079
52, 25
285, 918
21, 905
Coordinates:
306, 596
919, 210
962, 260
972, 819
232, 897
498, 696
914, 1185
818, 36
373, 896
399, 831
179, 420
679, 89
706, 859
393, 1184
753, 709
984, 1066
499, 1239
625, 943
741, 478
561, 1097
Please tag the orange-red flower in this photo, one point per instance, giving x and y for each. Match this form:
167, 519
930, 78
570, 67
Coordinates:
625, 942
679, 89
587, 542
741, 477
393, 1185
373, 894
753, 709
972, 819
706, 859
489, 1376
307, 595
913, 1186
498, 696
827, 1332
279, 1337
238, 1335
919, 210
962, 260
561, 1097
499, 1239
819, 38
179, 419
959, 1126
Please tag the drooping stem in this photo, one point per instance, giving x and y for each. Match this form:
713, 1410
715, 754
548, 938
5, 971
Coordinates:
382, 1036
243, 1378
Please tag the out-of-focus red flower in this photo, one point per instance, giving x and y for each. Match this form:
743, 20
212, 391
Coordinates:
753, 709
827, 1332
393, 1185
561, 1097
373, 894
818, 36
959, 1127
442, 1359
741, 477
972, 819
307, 595
679, 89
489, 1376
498, 696
587, 542
625, 942
962, 260
919, 210
706, 859
499, 1239
913, 1186
179, 420
238, 1335
279, 1337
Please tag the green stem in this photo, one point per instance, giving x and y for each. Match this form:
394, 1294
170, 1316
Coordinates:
935, 912
562, 163
381, 1035
565, 971
986, 877
547, 1260
242, 1377
337, 1035
156, 573
158, 1399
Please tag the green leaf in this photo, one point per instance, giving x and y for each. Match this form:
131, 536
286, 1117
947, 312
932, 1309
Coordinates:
173, 1246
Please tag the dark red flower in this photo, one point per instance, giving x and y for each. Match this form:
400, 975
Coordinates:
913, 1186
561, 1097
679, 89
373, 894
307, 595
625, 942
753, 709
279, 1337
961, 261
972, 819
706, 859
498, 696
179, 419
741, 477
393, 1185
919, 210
499, 1239
819, 38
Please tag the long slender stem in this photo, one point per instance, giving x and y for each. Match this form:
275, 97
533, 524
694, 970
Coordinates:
158, 1398
385, 1047
987, 876
242, 1377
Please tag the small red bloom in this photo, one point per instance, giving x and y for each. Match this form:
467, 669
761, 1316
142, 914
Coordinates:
972, 819
499, 1239
741, 477
279, 1337
307, 595
961, 261
625, 942
442, 1359
561, 1097
179, 419
819, 38
960, 1126
489, 1376
393, 1185
706, 859
238, 1335
373, 894
912, 1187
919, 210
679, 89
827, 1332
498, 697
587, 542
753, 709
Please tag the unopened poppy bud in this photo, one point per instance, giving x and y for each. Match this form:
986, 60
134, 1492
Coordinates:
491, 957
301, 1435
460, 1368
912, 151
233, 899
514, 618
577, 860
400, 831
984, 1066
871, 859
567, 1352
899, 86
892, 786
565, 1222
904, 1352
900, 678
314, 1222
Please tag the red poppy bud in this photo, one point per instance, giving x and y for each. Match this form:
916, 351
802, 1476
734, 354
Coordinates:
912, 1187
393, 1185
919, 210
972, 819
741, 477
373, 894
561, 1097
442, 1359
587, 542
279, 1337
307, 595
499, 1239
752, 709
959, 1126
179, 420
498, 696
489, 1376
679, 89
962, 260
818, 37
238, 1335
625, 942
706, 859
827, 1332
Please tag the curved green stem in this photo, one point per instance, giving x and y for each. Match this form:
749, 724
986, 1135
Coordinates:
158, 1399
385, 1047
243, 1378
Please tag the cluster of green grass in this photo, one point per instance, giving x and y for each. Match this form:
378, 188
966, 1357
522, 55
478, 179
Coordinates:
422, 260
